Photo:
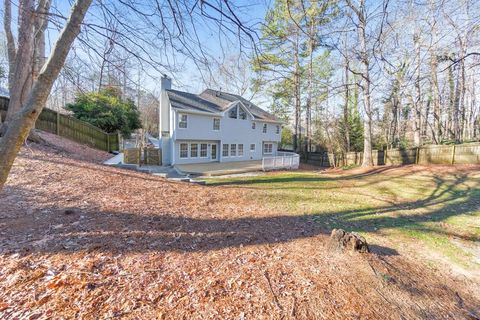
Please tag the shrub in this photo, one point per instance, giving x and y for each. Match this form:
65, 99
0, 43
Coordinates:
107, 110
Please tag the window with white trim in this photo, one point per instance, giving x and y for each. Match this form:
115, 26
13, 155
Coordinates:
242, 114
182, 121
253, 125
233, 150
193, 150
240, 150
216, 124
267, 148
232, 113
183, 150
277, 130
225, 150
203, 150
264, 128
252, 147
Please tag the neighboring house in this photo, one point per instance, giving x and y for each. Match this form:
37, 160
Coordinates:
214, 126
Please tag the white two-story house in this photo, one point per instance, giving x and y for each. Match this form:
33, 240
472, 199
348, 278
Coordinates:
214, 126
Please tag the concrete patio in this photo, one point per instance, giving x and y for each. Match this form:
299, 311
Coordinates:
220, 168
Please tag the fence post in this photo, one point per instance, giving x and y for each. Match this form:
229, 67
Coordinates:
417, 155
453, 154
57, 123
120, 147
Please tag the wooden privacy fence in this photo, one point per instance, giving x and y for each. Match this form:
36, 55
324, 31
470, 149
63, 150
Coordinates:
72, 128
325, 159
150, 156
468, 153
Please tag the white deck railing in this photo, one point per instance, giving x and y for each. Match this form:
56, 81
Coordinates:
283, 160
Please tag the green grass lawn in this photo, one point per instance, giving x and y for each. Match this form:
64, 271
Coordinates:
438, 207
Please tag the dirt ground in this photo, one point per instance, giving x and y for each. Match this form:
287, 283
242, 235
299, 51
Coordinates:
82, 240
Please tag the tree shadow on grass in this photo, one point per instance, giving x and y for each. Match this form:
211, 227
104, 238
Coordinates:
302, 180
56, 229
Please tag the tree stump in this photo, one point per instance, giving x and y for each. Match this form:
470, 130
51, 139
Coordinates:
341, 240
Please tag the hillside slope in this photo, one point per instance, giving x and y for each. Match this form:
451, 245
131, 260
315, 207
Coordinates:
78, 239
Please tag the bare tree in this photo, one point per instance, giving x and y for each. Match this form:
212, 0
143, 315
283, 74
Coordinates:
359, 10
139, 34
21, 122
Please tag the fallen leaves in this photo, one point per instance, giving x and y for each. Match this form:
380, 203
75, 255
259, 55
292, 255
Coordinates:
81, 240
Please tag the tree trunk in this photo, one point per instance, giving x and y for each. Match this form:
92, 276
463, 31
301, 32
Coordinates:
394, 124
437, 129
456, 109
461, 97
40, 25
296, 85
449, 126
22, 122
367, 144
366, 80
308, 115
417, 136
11, 51
22, 69
346, 120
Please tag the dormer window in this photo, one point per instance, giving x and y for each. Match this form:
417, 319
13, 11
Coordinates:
242, 114
233, 113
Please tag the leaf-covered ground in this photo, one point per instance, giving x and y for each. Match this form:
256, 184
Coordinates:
81, 240
437, 207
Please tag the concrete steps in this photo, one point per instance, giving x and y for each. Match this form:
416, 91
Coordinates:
169, 173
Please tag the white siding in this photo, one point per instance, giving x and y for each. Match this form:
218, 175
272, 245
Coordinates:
232, 131
197, 159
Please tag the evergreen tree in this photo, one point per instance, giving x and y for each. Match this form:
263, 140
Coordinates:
107, 110
289, 44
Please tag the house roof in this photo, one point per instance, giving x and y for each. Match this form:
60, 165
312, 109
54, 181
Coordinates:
213, 101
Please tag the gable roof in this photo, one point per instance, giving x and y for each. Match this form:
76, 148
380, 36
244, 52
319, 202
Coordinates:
213, 101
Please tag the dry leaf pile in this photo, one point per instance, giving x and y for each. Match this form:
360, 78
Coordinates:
82, 240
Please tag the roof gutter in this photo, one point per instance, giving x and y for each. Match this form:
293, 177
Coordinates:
205, 113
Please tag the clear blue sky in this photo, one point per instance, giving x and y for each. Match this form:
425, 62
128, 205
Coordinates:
214, 42
188, 75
